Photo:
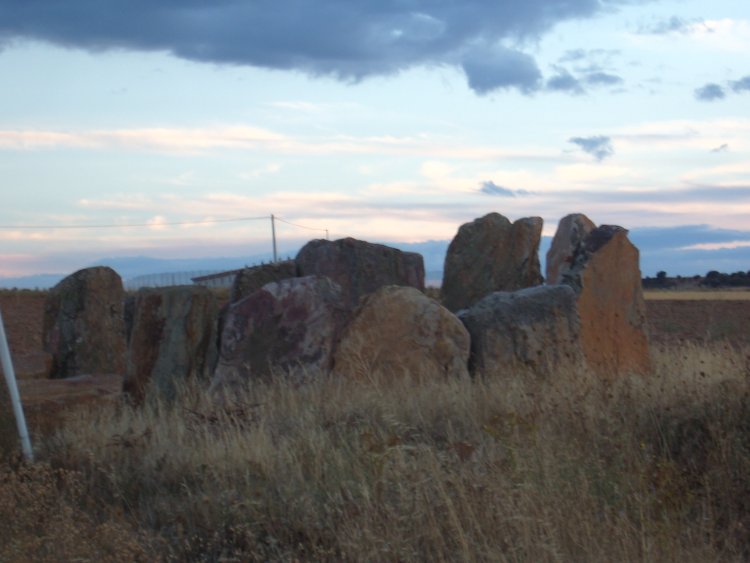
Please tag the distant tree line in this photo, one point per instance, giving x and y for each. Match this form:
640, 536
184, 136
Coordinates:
712, 279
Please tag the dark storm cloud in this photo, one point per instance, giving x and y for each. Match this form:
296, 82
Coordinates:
600, 146
347, 40
709, 93
491, 188
741, 85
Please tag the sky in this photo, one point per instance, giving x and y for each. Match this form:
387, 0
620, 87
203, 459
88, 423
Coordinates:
182, 126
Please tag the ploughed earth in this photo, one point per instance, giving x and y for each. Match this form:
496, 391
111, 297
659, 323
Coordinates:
44, 400
671, 320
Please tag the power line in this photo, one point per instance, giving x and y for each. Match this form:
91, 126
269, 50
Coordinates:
129, 225
300, 226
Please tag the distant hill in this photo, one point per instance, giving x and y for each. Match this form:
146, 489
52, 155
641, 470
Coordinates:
39, 281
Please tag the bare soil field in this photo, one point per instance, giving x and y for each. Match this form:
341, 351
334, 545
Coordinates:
698, 320
44, 399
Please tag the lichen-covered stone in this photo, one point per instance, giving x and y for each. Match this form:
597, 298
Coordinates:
84, 327
173, 339
360, 267
399, 330
537, 328
287, 326
491, 254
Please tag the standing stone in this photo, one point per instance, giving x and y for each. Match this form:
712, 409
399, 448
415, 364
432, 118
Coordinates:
537, 328
400, 330
571, 232
250, 280
360, 267
173, 339
84, 327
604, 271
129, 315
291, 325
491, 254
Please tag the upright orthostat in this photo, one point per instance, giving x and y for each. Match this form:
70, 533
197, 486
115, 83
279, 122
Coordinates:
491, 254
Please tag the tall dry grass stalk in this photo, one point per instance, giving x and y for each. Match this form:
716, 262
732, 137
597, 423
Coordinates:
508, 468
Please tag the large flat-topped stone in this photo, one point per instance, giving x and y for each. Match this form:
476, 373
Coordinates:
360, 267
536, 328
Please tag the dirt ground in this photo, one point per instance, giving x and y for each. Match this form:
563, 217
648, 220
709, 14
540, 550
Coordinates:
670, 321
44, 399
699, 321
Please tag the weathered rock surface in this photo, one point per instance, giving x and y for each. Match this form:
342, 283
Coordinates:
173, 339
536, 328
129, 314
400, 330
250, 280
360, 267
84, 327
605, 273
572, 231
491, 254
291, 325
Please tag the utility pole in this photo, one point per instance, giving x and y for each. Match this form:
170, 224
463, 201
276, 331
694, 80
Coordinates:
273, 235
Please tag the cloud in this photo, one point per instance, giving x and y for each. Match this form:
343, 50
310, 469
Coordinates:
584, 67
600, 146
718, 245
741, 85
709, 93
563, 81
712, 91
603, 79
500, 68
675, 24
349, 41
198, 141
723, 148
489, 187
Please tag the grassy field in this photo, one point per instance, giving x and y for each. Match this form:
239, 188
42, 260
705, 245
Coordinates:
501, 468
698, 295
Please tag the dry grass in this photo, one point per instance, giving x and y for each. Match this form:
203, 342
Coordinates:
742, 294
508, 469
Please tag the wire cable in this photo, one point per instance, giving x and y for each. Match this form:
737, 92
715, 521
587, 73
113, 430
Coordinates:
300, 226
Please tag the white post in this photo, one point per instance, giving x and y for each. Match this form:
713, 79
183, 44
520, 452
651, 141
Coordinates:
10, 379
